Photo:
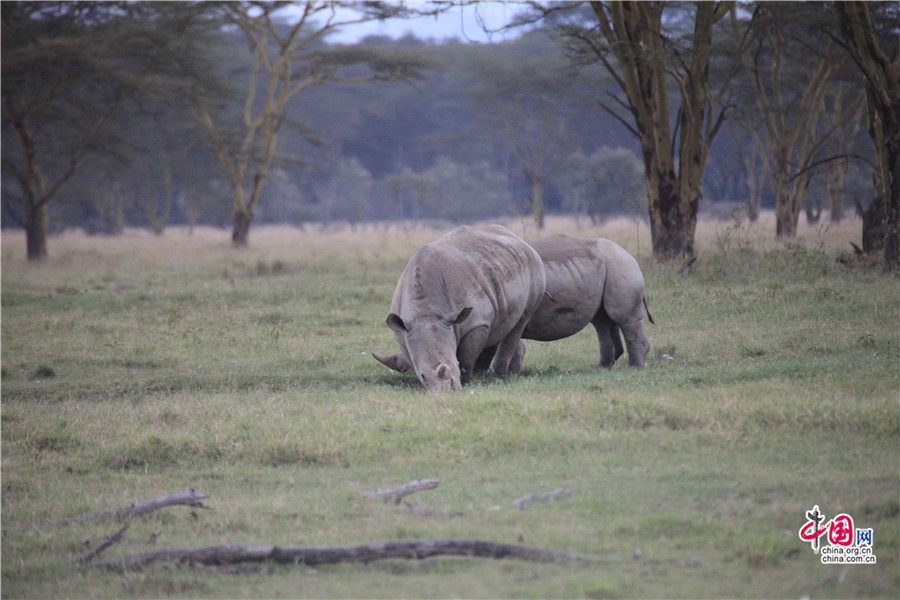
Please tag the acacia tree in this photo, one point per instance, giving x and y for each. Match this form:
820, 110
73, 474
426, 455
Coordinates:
790, 99
844, 118
521, 101
878, 62
67, 69
604, 183
287, 57
631, 42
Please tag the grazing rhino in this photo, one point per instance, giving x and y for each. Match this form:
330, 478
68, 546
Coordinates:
592, 281
589, 281
475, 287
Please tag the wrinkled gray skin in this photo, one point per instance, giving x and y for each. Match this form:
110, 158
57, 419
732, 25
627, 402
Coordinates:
590, 281
473, 288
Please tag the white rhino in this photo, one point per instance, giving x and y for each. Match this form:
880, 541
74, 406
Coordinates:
592, 281
473, 288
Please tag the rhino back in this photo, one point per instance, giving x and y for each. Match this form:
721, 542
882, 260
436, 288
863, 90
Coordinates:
487, 268
576, 274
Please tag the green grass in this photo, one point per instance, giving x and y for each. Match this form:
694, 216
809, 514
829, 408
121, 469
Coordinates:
138, 366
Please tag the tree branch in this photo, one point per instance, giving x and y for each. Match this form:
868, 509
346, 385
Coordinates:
621, 120
829, 159
81, 151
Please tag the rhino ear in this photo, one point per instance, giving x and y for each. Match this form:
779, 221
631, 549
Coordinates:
394, 361
396, 323
458, 317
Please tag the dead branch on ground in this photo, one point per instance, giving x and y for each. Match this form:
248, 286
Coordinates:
230, 554
397, 494
188, 498
529, 497
106, 543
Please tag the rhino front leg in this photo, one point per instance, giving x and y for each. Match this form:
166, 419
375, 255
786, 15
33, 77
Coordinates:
484, 359
515, 364
510, 353
470, 351
487, 357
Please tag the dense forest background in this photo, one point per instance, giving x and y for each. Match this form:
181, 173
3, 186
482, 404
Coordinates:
464, 136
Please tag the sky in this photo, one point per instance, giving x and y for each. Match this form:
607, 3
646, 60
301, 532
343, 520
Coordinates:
459, 22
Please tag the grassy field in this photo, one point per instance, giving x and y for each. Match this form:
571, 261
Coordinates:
138, 366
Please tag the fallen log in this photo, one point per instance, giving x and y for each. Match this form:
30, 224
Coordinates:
230, 554
188, 498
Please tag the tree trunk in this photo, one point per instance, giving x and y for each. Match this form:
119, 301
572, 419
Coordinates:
787, 213
881, 77
36, 231
834, 185
241, 217
813, 206
873, 226
754, 183
884, 129
537, 197
671, 227
892, 218
240, 233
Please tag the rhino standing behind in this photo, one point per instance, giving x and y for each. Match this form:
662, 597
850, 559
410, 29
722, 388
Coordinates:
591, 281
475, 287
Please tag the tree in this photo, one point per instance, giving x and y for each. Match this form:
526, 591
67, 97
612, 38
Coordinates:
344, 195
604, 183
878, 61
844, 118
287, 58
468, 192
67, 69
629, 40
790, 98
522, 100
411, 192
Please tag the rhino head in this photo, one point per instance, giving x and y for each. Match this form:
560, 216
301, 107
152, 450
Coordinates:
429, 349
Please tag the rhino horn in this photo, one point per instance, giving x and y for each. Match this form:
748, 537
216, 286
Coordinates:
394, 361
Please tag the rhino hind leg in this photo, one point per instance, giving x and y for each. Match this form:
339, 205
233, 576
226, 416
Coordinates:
637, 343
608, 334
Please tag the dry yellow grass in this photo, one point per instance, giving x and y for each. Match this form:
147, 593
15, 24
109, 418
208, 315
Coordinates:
205, 245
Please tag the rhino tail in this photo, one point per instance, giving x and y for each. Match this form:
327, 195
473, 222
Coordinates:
647, 308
